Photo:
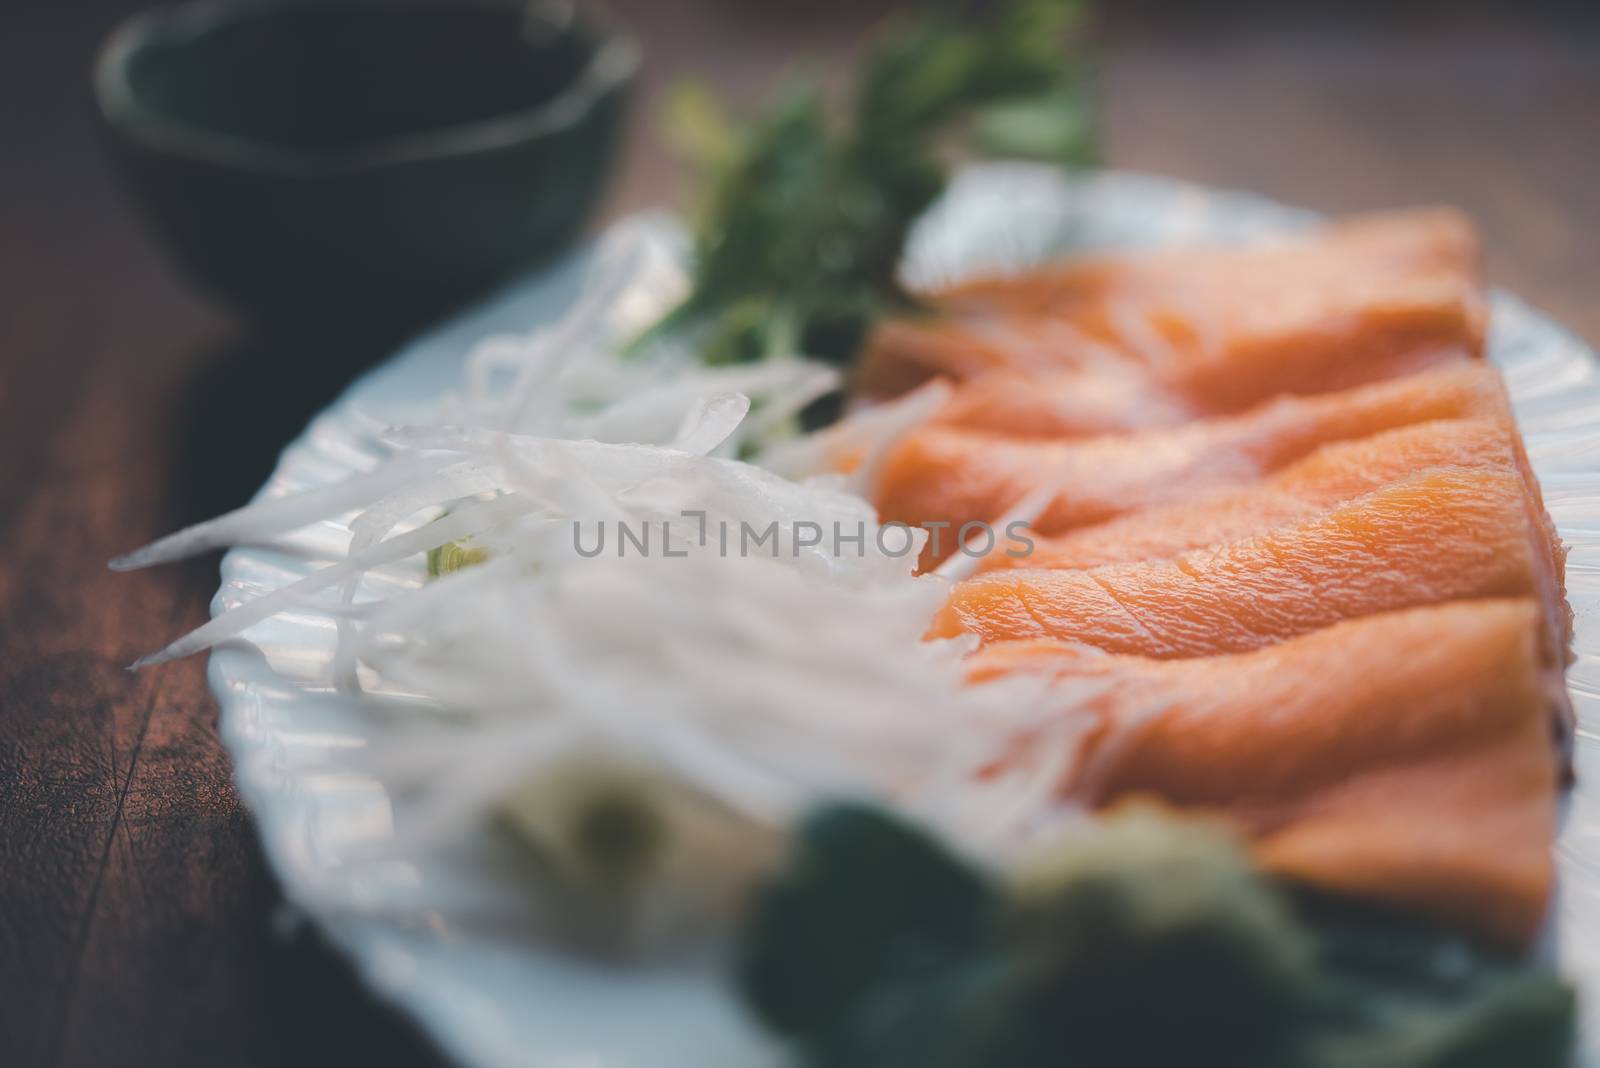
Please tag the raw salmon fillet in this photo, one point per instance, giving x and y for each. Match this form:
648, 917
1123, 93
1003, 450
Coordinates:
1332, 475
1403, 758
1045, 377
1291, 535
944, 474
1451, 533
1152, 340
1391, 244
1442, 535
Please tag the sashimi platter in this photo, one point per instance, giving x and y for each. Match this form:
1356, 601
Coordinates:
1165, 654
917, 612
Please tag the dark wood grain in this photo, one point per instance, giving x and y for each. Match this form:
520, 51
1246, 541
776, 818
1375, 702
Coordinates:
138, 925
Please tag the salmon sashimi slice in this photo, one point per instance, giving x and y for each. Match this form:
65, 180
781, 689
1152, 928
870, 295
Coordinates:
1403, 758
1143, 368
1389, 244
1073, 404
1442, 535
1201, 357
1332, 475
1448, 534
1199, 332
947, 475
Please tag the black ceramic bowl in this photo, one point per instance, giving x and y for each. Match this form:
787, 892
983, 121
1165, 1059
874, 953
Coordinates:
361, 161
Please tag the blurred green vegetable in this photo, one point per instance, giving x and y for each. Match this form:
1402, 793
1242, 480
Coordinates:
1152, 942
1402, 995
824, 939
1145, 942
805, 213
1057, 125
453, 556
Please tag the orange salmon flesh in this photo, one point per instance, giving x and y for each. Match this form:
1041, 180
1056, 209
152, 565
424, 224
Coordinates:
1287, 523
1424, 779
1200, 331
947, 474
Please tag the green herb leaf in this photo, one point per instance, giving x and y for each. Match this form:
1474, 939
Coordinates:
804, 218
1054, 126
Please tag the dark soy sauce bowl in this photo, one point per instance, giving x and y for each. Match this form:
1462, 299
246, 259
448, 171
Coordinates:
363, 164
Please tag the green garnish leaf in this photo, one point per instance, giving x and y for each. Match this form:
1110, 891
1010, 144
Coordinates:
1152, 941
1397, 993
1144, 942
866, 904
806, 212
698, 128
1054, 126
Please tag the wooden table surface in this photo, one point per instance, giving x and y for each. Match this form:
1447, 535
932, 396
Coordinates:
138, 924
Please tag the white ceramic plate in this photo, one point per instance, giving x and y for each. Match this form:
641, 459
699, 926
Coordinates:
450, 935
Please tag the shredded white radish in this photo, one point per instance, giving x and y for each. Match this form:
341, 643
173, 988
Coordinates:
279, 515
769, 688
865, 437
1025, 512
647, 595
